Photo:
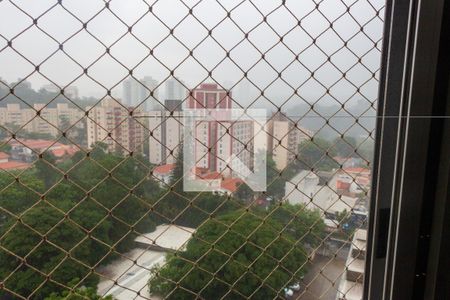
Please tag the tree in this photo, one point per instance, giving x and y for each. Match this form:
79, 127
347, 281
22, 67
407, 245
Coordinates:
176, 179
255, 257
304, 224
275, 182
78, 294
46, 255
47, 170
244, 193
317, 154
345, 146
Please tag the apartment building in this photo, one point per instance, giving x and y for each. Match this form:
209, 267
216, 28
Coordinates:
284, 136
49, 120
136, 93
174, 89
216, 140
121, 128
166, 133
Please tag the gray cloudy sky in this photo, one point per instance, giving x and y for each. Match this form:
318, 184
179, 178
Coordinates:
133, 54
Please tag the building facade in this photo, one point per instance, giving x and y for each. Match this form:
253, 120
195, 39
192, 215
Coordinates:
120, 128
174, 89
284, 137
137, 93
166, 133
70, 92
51, 120
220, 140
216, 142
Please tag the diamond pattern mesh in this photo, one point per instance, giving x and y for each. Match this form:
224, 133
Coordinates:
91, 197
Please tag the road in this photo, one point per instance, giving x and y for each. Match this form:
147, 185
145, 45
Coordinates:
323, 278
132, 278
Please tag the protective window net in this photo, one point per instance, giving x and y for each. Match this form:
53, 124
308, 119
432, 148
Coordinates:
96, 104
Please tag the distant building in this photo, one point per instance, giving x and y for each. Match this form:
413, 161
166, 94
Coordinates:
51, 120
8, 165
353, 181
166, 133
305, 189
175, 90
284, 138
121, 128
27, 150
138, 93
218, 140
70, 92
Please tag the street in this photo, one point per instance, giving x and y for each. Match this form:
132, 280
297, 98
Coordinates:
323, 278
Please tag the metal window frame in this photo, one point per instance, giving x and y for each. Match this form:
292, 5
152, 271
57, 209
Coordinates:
407, 152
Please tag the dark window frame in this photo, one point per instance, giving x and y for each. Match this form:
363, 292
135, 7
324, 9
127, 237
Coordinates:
411, 170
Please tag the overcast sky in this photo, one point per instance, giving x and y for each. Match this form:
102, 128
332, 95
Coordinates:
170, 54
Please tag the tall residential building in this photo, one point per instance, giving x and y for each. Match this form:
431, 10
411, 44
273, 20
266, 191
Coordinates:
166, 133
51, 120
137, 93
216, 141
174, 89
121, 128
284, 138
219, 139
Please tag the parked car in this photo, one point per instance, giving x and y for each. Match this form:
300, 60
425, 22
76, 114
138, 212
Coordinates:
295, 286
288, 293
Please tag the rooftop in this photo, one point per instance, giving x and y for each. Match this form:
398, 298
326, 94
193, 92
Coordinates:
164, 169
231, 184
14, 165
166, 237
35, 144
360, 234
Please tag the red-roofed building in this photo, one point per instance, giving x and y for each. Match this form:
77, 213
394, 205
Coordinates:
163, 173
210, 176
65, 150
14, 165
26, 149
230, 185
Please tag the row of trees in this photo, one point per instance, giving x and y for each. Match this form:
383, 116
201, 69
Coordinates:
62, 219
319, 154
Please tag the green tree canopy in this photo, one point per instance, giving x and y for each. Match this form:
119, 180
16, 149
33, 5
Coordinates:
104, 197
78, 294
345, 146
317, 154
236, 256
